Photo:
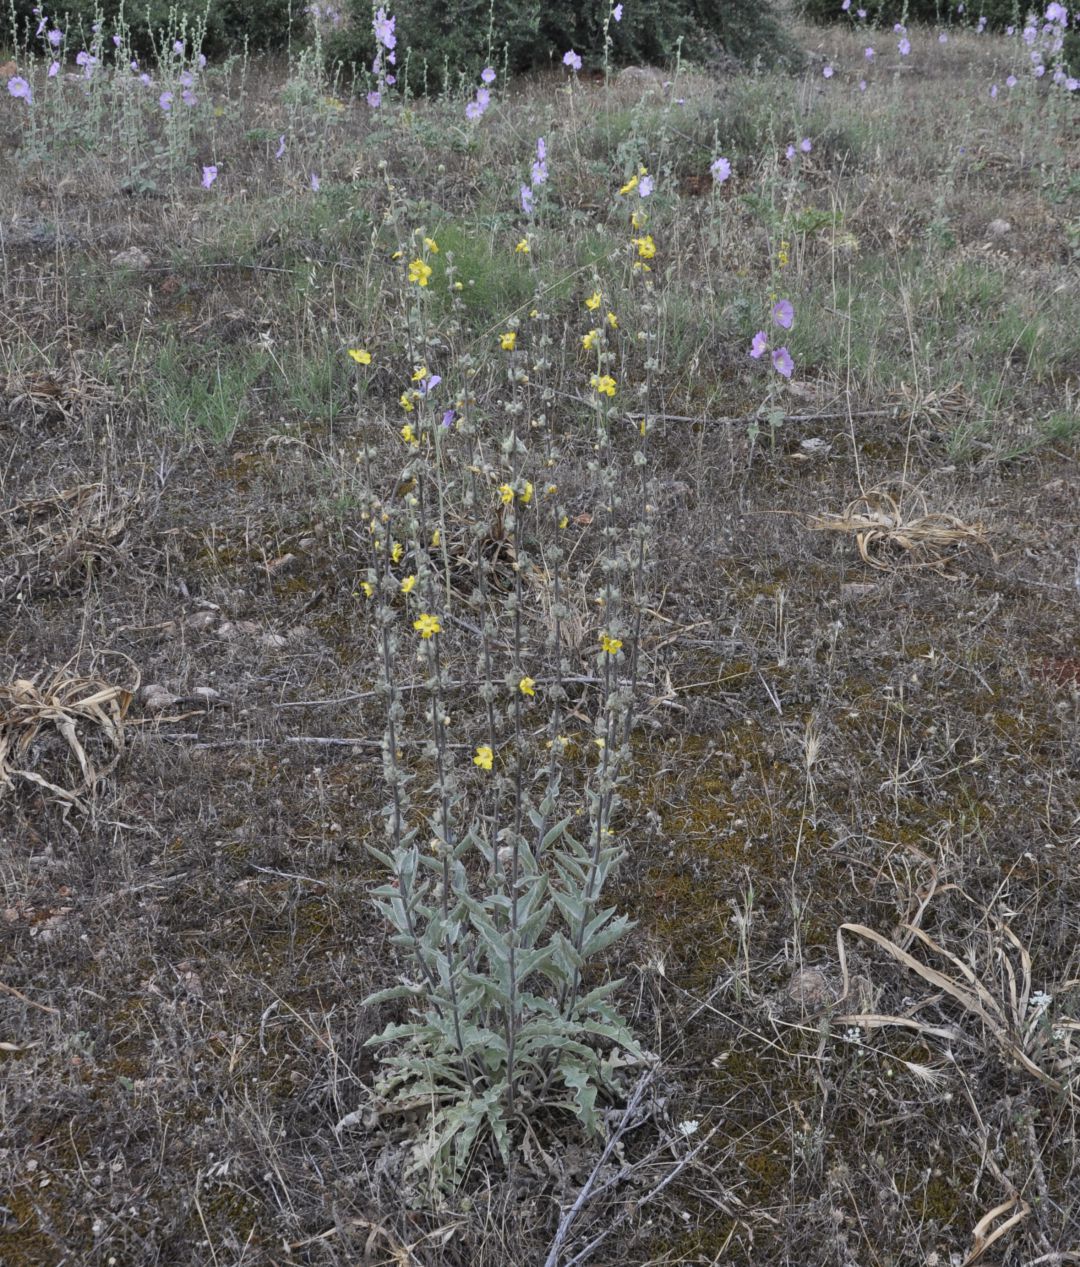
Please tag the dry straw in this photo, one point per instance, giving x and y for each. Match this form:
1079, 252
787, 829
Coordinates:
78, 710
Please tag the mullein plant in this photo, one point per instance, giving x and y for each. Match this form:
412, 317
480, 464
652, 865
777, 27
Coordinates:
497, 872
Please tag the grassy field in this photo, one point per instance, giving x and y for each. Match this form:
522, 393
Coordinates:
842, 720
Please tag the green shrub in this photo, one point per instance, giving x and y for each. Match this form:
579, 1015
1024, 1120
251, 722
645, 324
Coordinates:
445, 38
226, 24
998, 13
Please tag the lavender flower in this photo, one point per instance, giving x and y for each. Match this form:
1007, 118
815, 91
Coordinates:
572, 60
828, 72
315, 182
758, 345
645, 186
488, 75
165, 101
904, 46
55, 37
209, 175
54, 70
374, 99
18, 87
720, 169
178, 48
616, 13
805, 145
526, 200
280, 151
448, 418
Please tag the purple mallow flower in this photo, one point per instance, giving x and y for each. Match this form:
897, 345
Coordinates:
783, 314
315, 182
55, 37
616, 13
782, 362
448, 418
758, 345
721, 169
526, 200
384, 29
645, 186
904, 46
572, 60
488, 75
280, 151
18, 87
165, 101
828, 72
209, 175
374, 99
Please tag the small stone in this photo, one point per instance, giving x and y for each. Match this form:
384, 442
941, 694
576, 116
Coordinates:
200, 621
998, 228
207, 694
273, 641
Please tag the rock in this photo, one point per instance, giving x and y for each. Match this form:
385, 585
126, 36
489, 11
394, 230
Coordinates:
273, 641
133, 257
998, 228
200, 621
206, 694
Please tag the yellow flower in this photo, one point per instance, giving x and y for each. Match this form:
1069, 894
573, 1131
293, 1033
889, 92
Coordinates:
564, 521
436, 539
368, 588
506, 494
396, 551
526, 494
397, 255
600, 742
631, 184
406, 403
551, 488
604, 384
613, 321
507, 341
432, 245
360, 356
637, 219
646, 247
409, 584
522, 247
419, 272
588, 340
420, 372
485, 757
426, 625
527, 686
408, 434
593, 301
609, 644
782, 258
